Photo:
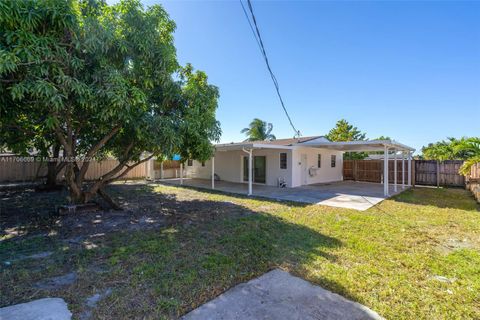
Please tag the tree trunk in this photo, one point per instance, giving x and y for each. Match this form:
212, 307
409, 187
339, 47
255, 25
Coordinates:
53, 169
75, 175
51, 175
81, 195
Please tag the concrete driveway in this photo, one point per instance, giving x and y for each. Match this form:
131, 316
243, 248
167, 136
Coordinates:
343, 194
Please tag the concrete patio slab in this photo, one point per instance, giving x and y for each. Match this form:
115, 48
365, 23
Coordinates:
42, 309
343, 194
279, 295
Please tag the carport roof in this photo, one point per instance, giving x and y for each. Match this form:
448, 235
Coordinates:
370, 145
316, 142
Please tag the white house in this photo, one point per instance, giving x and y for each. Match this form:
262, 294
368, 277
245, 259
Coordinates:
288, 162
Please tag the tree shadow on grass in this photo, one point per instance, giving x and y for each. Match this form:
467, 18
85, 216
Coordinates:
173, 253
448, 198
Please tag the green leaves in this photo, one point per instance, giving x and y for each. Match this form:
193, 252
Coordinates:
8, 62
453, 149
18, 91
465, 148
259, 130
51, 122
344, 131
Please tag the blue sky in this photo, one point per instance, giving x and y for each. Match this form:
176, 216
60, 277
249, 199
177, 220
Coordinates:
408, 70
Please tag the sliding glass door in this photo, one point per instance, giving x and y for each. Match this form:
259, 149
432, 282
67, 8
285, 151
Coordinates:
259, 169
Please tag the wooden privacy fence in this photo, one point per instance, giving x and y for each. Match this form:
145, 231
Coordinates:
167, 164
473, 181
475, 171
13, 170
372, 170
439, 173
424, 172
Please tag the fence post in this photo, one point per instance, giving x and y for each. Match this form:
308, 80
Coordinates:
354, 170
411, 170
438, 174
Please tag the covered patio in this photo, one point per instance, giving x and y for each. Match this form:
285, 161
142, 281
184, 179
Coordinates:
342, 194
391, 150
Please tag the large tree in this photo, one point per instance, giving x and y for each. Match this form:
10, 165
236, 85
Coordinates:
344, 131
105, 80
259, 130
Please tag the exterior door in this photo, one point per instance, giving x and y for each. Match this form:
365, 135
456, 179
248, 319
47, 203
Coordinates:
303, 159
259, 169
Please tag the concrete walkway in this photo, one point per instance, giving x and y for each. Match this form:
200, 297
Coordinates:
343, 194
42, 309
279, 295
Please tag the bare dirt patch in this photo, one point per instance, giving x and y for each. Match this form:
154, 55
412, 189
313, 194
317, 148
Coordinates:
26, 212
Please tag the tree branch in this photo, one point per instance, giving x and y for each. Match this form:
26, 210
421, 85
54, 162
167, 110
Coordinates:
94, 150
108, 199
103, 180
63, 141
129, 168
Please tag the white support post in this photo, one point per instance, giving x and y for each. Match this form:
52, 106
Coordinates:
250, 171
403, 169
181, 173
409, 177
213, 173
395, 170
385, 171
161, 170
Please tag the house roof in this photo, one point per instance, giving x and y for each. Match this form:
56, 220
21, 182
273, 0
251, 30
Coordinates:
286, 142
267, 144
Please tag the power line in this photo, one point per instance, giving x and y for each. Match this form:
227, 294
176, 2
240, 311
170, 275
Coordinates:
259, 41
251, 26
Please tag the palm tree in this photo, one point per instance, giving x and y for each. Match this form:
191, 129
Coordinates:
259, 130
469, 148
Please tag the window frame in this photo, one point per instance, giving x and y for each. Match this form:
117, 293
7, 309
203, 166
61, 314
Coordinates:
283, 162
319, 160
333, 160
189, 163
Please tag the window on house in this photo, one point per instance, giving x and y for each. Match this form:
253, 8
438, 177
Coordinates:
189, 162
319, 161
283, 160
203, 163
333, 161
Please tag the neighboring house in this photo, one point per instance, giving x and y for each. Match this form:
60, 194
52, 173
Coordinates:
291, 161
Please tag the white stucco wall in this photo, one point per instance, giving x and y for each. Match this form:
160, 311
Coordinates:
324, 174
229, 166
197, 170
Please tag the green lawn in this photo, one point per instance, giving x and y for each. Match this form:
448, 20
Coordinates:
389, 258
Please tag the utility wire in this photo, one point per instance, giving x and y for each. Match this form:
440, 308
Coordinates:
258, 38
251, 27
